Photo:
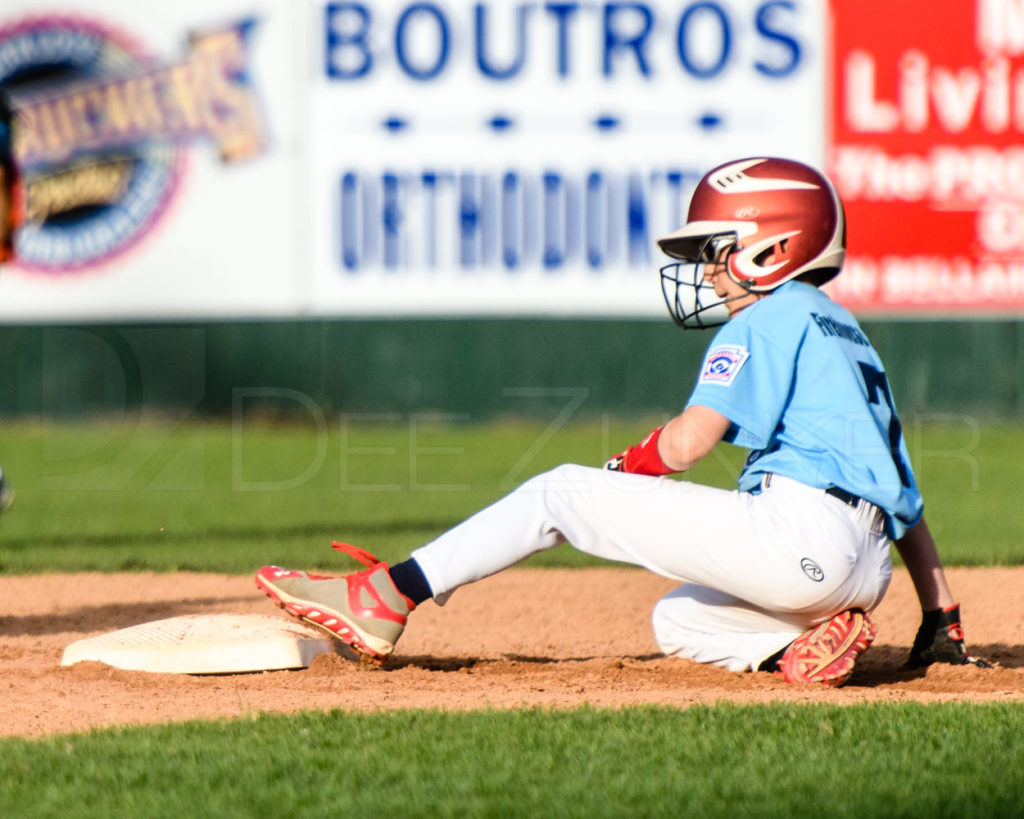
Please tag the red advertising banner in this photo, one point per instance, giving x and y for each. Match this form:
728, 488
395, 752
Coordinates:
926, 146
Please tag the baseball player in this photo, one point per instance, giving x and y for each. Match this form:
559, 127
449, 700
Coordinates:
781, 573
9, 217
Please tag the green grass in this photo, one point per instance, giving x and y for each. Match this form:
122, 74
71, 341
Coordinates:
220, 497
225, 497
901, 760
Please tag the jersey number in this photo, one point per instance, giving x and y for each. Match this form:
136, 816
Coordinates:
875, 383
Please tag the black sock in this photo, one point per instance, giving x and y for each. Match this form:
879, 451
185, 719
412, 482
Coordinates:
772, 663
409, 580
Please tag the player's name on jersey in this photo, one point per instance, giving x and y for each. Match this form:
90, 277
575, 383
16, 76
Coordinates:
838, 329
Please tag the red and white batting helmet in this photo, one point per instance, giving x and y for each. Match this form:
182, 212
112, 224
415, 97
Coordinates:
786, 217
768, 220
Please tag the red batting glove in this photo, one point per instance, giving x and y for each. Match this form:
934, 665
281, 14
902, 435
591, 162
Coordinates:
642, 459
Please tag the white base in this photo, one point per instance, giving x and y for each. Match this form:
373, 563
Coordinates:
203, 644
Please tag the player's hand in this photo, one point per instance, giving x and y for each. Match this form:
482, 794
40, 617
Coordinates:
642, 459
940, 639
615, 463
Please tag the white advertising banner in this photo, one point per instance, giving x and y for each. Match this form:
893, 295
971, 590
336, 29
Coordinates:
224, 158
157, 143
505, 157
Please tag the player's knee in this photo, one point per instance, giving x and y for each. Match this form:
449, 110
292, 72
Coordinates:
671, 633
679, 633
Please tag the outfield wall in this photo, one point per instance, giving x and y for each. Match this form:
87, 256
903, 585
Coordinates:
462, 370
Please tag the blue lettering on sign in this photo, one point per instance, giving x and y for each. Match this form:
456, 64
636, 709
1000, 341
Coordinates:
488, 220
615, 38
426, 38
563, 13
485, 66
469, 221
392, 220
510, 231
476, 220
790, 44
724, 35
403, 31
639, 250
554, 215
595, 219
349, 221
430, 183
347, 29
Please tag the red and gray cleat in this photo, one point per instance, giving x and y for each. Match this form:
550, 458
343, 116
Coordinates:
827, 653
364, 610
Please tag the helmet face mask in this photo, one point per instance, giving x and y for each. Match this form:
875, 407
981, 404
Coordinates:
691, 300
785, 219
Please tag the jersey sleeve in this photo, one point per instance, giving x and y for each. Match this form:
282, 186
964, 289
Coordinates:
747, 376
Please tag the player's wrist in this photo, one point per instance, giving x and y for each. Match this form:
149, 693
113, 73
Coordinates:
644, 458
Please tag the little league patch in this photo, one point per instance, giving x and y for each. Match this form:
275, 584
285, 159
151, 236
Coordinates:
723, 364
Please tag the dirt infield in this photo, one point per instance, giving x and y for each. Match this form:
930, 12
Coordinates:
529, 637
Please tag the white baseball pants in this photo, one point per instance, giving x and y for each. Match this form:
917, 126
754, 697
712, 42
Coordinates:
759, 569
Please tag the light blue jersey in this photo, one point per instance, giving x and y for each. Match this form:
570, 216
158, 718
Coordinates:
807, 394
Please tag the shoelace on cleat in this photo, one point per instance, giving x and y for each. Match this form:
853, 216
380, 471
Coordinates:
361, 555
